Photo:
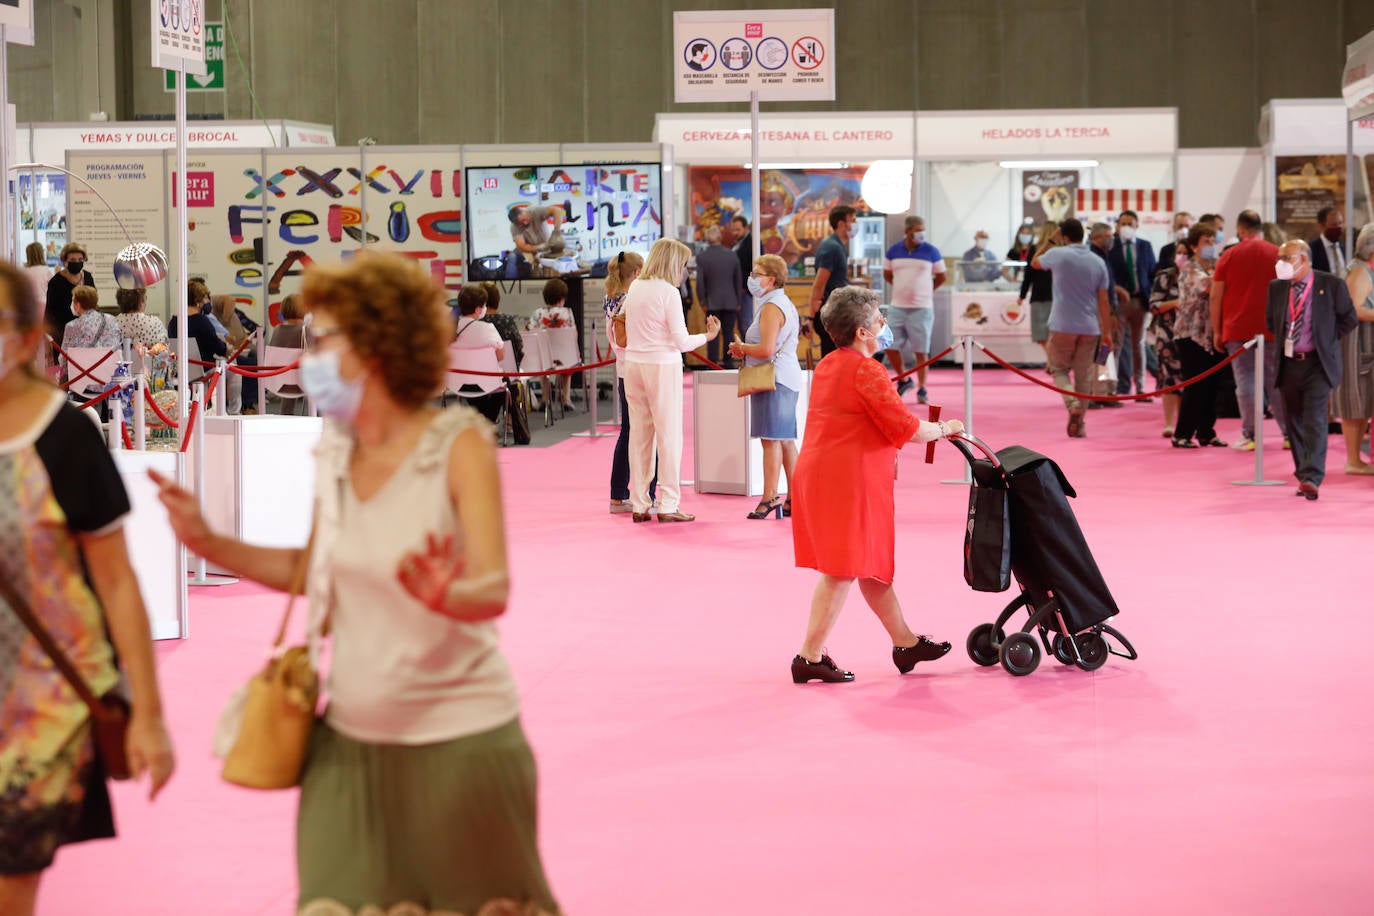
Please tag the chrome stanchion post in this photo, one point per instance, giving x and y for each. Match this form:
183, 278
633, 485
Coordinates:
1258, 344
966, 344
221, 386
201, 577
140, 412
589, 393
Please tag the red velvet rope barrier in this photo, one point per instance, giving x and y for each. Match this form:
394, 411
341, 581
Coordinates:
930, 362
124, 434
168, 421
570, 370
190, 425
100, 397
1113, 397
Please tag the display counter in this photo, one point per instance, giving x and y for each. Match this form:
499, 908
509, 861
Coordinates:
260, 477
725, 459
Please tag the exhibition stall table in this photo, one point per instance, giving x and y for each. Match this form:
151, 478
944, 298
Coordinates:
725, 458
153, 548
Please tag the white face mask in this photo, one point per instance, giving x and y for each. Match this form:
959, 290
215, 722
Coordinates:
918, 237
980, 243
1181, 234
755, 286
1284, 270
334, 397
1127, 233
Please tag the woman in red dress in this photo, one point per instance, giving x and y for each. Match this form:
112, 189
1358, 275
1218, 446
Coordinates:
842, 507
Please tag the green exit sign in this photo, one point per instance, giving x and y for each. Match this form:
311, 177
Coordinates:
213, 80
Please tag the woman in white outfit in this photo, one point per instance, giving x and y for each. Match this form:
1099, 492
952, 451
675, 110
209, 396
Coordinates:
656, 337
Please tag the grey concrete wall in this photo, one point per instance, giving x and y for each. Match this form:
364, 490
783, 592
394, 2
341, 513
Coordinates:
488, 71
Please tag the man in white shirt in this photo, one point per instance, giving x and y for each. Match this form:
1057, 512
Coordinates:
913, 270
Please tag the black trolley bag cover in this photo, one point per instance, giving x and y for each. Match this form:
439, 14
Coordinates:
987, 536
1048, 551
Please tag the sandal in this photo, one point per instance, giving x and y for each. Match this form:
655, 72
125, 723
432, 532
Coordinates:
1184, 443
767, 507
787, 507
1213, 442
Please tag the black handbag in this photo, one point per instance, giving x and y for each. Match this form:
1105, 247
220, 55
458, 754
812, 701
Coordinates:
987, 536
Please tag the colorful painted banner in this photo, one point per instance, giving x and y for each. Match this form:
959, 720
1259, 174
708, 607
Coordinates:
795, 204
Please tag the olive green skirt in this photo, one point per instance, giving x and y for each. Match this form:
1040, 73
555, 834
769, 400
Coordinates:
435, 828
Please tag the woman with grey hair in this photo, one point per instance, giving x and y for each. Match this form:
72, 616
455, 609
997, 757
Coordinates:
845, 528
1353, 399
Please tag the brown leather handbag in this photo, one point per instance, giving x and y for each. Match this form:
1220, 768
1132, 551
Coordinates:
264, 731
109, 714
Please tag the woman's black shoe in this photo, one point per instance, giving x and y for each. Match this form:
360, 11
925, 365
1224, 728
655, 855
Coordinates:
925, 650
768, 507
824, 670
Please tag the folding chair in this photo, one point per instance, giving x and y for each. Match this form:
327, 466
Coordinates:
563, 348
474, 359
539, 359
282, 356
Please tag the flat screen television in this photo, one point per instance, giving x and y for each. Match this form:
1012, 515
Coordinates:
599, 209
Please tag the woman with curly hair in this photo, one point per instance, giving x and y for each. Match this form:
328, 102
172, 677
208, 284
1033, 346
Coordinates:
419, 787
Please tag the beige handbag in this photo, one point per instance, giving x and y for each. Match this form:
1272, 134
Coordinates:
757, 379
264, 730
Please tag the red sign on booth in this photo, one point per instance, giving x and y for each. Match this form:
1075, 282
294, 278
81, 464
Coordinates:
200, 189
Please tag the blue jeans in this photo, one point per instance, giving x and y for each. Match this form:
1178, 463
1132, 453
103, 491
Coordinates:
620, 461
1244, 370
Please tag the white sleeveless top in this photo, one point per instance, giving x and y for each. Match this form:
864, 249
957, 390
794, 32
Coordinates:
400, 673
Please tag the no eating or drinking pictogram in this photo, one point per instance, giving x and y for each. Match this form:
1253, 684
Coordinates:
808, 52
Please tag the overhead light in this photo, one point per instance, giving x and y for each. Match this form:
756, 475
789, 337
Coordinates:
1049, 163
798, 165
886, 186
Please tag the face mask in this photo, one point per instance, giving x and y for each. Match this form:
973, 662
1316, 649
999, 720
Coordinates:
1024, 238
1284, 270
75, 267
333, 397
980, 243
885, 338
1127, 233
1180, 261
755, 287
1181, 234
918, 237
1209, 252
76, 311
1334, 235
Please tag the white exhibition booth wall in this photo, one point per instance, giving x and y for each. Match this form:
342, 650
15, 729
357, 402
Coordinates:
1304, 148
41, 194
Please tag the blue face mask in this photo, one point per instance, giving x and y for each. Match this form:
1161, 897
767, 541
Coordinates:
885, 339
755, 287
1209, 252
332, 395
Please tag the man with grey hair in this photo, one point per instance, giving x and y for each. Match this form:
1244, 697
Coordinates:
720, 286
1308, 313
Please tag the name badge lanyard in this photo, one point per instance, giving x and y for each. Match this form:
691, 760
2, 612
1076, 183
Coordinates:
1296, 310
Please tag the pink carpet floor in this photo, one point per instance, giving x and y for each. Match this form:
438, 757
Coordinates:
1229, 770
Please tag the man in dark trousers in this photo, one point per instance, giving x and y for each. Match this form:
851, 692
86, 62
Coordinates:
1133, 268
1309, 311
744, 250
719, 287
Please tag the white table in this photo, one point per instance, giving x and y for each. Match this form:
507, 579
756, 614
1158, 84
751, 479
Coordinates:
153, 549
725, 459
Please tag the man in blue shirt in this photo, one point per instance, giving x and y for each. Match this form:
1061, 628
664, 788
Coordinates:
1079, 316
832, 267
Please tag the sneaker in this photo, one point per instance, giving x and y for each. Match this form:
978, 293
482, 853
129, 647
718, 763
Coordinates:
904, 386
1244, 444
922, 397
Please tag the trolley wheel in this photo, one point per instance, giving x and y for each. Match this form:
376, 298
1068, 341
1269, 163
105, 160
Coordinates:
982, 644
1020, 654
1094, 650
1063, 650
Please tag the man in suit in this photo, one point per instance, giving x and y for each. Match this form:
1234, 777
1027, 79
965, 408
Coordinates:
744, 250
1183, 221
1328, 248
1133, 268
1308, 312
719, 286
